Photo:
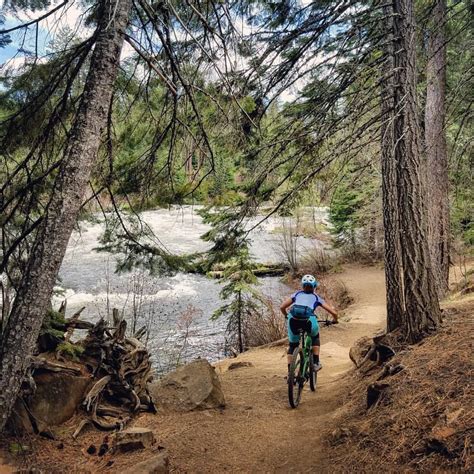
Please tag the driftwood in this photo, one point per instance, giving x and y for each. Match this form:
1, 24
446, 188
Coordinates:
79, 324
71, 324
119, 367
122, 370
40, 363
368, 354
80, 427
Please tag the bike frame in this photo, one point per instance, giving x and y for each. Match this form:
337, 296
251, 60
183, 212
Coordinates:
307, 346
298, 376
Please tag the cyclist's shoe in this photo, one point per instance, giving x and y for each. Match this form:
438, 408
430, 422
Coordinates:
318, 367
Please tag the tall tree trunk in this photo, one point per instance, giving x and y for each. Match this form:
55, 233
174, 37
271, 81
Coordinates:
422, 312
35, 290
392, 253
239, 323
436, 150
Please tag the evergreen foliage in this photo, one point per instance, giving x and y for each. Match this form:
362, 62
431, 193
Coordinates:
242, 299
289, 112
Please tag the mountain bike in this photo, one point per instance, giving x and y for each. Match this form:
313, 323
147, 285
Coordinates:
302, 367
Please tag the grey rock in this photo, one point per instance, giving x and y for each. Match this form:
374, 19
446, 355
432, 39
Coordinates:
132, 439
158, 464
194, 386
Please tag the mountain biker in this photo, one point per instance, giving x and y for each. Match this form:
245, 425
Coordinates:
301, 316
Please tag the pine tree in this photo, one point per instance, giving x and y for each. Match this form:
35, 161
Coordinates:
436, 147
421, 311
239, 282
35, 289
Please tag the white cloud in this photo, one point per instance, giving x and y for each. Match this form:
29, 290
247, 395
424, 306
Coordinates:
71, 16
68, 19
16, 65
127, 51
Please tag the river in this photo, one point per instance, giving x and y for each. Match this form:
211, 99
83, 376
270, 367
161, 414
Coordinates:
174, 307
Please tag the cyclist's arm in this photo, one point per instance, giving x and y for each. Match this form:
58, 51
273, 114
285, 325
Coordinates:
330, 310
285, 305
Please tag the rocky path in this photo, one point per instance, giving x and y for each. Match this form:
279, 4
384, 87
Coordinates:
257, 431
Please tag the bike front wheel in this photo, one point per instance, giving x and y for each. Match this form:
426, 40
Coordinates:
296, 378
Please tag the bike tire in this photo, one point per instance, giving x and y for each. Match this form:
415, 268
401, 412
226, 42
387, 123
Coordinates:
296, 378
313, 376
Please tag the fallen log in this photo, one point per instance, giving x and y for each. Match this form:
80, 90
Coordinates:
261, 271
79, 324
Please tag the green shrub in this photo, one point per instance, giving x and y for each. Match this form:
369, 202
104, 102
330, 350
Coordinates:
68, 349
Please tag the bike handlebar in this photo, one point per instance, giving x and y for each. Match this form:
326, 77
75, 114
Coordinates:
327, 322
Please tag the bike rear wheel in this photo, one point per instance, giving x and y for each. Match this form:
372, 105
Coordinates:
296, 378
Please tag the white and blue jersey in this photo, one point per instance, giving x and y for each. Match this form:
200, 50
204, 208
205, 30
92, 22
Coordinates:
302, 312
310, 300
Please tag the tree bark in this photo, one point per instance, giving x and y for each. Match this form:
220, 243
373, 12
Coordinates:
422, 312
239, 324
35, 290
436, 149
392, 250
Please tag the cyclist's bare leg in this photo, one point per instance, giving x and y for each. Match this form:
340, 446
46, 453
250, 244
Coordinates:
291, 348
316, 350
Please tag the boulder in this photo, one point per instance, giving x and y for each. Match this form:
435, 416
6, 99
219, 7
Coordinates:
56, 398
20, 422
158, 464
132, 439
194, 386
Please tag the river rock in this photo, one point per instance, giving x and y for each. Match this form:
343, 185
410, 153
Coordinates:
239, 365
158, 464
56, 398
194, 386
132, 439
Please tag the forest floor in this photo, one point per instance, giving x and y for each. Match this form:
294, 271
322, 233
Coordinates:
257, 431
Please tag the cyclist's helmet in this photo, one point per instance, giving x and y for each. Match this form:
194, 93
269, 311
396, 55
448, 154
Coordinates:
309, 280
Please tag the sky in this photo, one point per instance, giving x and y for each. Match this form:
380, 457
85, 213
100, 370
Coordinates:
69, 17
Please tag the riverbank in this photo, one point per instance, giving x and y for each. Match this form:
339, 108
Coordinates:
256, 431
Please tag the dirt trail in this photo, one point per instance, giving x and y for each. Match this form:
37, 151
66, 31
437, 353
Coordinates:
257, 431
